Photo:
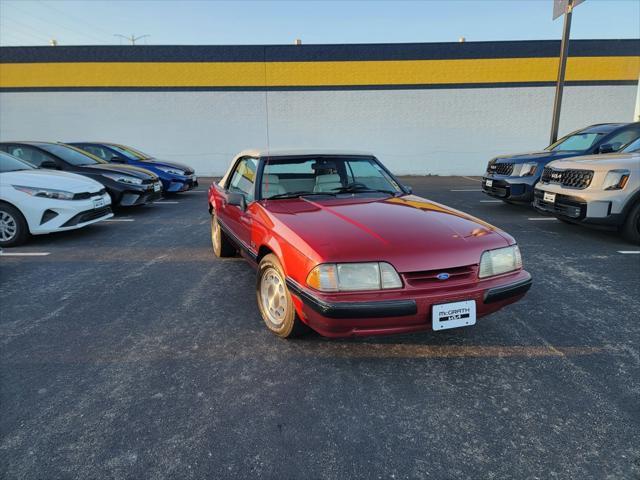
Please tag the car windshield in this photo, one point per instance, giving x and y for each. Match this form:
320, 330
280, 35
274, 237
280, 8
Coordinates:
9, 163
577, 141
286, 177
132, 152
71, 155
632, 147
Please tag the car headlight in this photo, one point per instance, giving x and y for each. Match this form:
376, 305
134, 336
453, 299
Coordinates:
341, 277
616, 179
118, 177
45, 192
527, 169
171, 170
500, 260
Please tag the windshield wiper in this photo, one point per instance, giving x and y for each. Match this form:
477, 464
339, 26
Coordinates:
302, 193
359, 188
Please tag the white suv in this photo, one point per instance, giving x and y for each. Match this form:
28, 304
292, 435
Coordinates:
600, 190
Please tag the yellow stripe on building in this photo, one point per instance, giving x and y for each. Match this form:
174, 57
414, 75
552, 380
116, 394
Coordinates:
315, 74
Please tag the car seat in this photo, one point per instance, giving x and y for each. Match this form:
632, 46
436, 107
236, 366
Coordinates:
271, 186
327, 183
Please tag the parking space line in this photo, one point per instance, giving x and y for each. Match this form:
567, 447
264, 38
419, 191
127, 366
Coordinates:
490, 201
548, 219
629, 252
120, 220
165, 203
466, 190
24, 254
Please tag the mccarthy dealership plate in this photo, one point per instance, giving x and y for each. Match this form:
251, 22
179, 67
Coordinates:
549, 197
489, 183
453, 315
99, 202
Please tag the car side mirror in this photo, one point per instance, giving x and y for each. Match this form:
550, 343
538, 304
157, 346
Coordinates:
607, 148
117, 159
49, 164
237, 199
408, 188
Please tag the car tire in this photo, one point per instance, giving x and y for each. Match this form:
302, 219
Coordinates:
274, 300
222, 246
631, 227
14, 230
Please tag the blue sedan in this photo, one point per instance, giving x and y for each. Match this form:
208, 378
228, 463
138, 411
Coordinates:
175, 177
512, 178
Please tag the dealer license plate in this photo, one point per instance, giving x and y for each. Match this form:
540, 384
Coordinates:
489, 183
454, 315
194, 178
99, 202
156, 187
549, 197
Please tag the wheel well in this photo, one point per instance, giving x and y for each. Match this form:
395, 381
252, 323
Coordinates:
262, 252
628, 206
11, 205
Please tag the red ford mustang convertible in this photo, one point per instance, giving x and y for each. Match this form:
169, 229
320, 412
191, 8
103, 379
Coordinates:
343, 247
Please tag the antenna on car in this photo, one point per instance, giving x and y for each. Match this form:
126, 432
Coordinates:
266, 112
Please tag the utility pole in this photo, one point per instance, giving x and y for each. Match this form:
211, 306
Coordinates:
561, 7
133, 39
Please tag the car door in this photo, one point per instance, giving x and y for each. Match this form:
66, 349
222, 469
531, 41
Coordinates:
242, 181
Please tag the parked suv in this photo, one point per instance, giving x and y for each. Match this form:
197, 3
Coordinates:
512, 178
600, 190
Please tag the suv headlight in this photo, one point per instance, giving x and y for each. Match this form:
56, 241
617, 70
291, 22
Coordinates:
118, 177
45, 192
527, 169
171, 170
500, 260
341, 277
616, 179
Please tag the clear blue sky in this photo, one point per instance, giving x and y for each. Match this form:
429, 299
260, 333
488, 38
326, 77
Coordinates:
169, 22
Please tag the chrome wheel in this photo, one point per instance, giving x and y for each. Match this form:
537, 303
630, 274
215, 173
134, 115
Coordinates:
273, 296
8, 227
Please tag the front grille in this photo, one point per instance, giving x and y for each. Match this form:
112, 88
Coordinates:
500, 168
86, 195
87, 216
429, 278
572, 178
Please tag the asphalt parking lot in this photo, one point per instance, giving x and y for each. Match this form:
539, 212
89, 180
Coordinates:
130, 351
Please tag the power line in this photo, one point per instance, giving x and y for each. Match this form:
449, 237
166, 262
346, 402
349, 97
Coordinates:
49, 24
31, 31
72, 17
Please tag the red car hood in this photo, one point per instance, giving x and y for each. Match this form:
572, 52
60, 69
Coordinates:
411, 233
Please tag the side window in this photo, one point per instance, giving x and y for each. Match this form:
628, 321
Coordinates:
620, 139
244, 178
32, 155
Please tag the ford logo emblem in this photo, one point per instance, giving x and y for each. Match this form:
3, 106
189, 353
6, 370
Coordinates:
442, 276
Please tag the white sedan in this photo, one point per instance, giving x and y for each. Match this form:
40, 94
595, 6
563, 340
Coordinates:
37, 201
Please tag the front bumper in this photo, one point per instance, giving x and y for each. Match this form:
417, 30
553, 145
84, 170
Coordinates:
516, 189
51, 215
578, 209
139, 195
180, 184
409, 311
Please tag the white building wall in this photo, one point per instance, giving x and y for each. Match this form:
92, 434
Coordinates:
430, 131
